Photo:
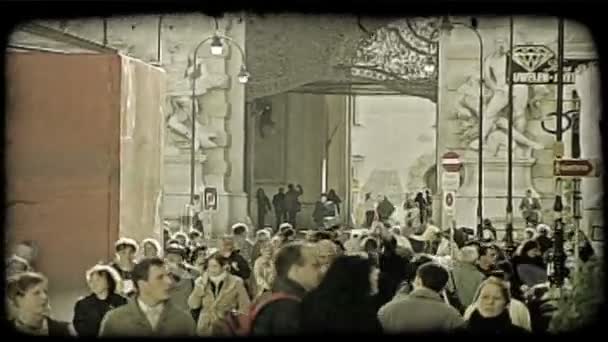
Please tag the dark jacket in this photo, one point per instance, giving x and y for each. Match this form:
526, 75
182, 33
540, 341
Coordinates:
89, 311
385, 209
499, 325
282, 317
244, 271
393, 271
356, 317
278, 202
292, 203
55, 328
263, 204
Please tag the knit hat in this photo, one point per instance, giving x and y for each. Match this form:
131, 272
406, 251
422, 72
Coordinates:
285, 225
123, 241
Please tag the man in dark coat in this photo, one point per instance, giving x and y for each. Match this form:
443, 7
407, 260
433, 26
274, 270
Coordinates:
238, 264
297, 272
385, 209
280, 212
323, 208
292, 203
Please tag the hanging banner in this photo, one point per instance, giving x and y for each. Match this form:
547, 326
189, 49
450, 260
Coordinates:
537, 64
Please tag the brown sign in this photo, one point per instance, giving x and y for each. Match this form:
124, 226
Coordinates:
575, 168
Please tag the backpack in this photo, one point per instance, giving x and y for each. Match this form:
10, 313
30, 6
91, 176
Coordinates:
241, 324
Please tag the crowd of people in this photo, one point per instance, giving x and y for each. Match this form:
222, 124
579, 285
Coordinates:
284, 282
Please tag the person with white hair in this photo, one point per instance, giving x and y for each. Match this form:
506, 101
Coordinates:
465, 278
402, 241
104, 283
126, 249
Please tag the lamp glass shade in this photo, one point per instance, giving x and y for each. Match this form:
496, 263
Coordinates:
216, 46
243, 75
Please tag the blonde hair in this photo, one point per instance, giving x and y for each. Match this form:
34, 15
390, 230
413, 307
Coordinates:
501, 284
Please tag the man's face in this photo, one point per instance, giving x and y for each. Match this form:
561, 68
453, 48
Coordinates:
490, 257
158, 284
323, 199
34, 300
308, 274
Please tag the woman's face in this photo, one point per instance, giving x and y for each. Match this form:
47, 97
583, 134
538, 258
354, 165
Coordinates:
127, 254
150, 250
214, 268
35, 300
98, 283
373, 279
491, 301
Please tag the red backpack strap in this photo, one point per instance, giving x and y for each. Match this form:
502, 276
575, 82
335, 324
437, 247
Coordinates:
275, 296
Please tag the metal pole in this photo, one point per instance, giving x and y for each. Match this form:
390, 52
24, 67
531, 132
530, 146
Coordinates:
558, 247
194, 76
481, 138
576, 182
509, 224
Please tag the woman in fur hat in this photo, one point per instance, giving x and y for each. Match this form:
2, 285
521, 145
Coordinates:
151, 248
126, 249
104, 283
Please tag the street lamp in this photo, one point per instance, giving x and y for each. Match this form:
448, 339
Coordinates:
448, 27
217, 49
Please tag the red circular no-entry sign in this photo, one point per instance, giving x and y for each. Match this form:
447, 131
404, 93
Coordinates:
451, 162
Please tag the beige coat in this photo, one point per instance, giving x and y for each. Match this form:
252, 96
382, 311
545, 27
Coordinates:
232, 296
264, 274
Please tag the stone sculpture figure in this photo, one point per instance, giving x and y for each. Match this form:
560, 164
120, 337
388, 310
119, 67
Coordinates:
179, 120
495, 108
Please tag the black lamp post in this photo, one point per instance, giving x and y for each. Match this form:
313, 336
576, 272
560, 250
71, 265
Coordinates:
216, 47
448, 26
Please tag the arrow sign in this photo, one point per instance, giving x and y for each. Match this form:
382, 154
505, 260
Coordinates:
575, 168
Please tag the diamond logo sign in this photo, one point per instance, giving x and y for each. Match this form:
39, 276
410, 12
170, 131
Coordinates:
537, 64
531, 57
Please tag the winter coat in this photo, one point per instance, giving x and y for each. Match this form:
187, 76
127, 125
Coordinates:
423, 310
182, 287
278, 202
263, 205
385, 209
292, 202
129, 320
499, 325
239, 266
393, 271
281, 317
518, 313
55, 328
89, 312
245, 247
230, 294
357, 317
264, 274
466, 278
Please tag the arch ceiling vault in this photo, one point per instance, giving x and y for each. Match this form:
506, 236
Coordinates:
341, 54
